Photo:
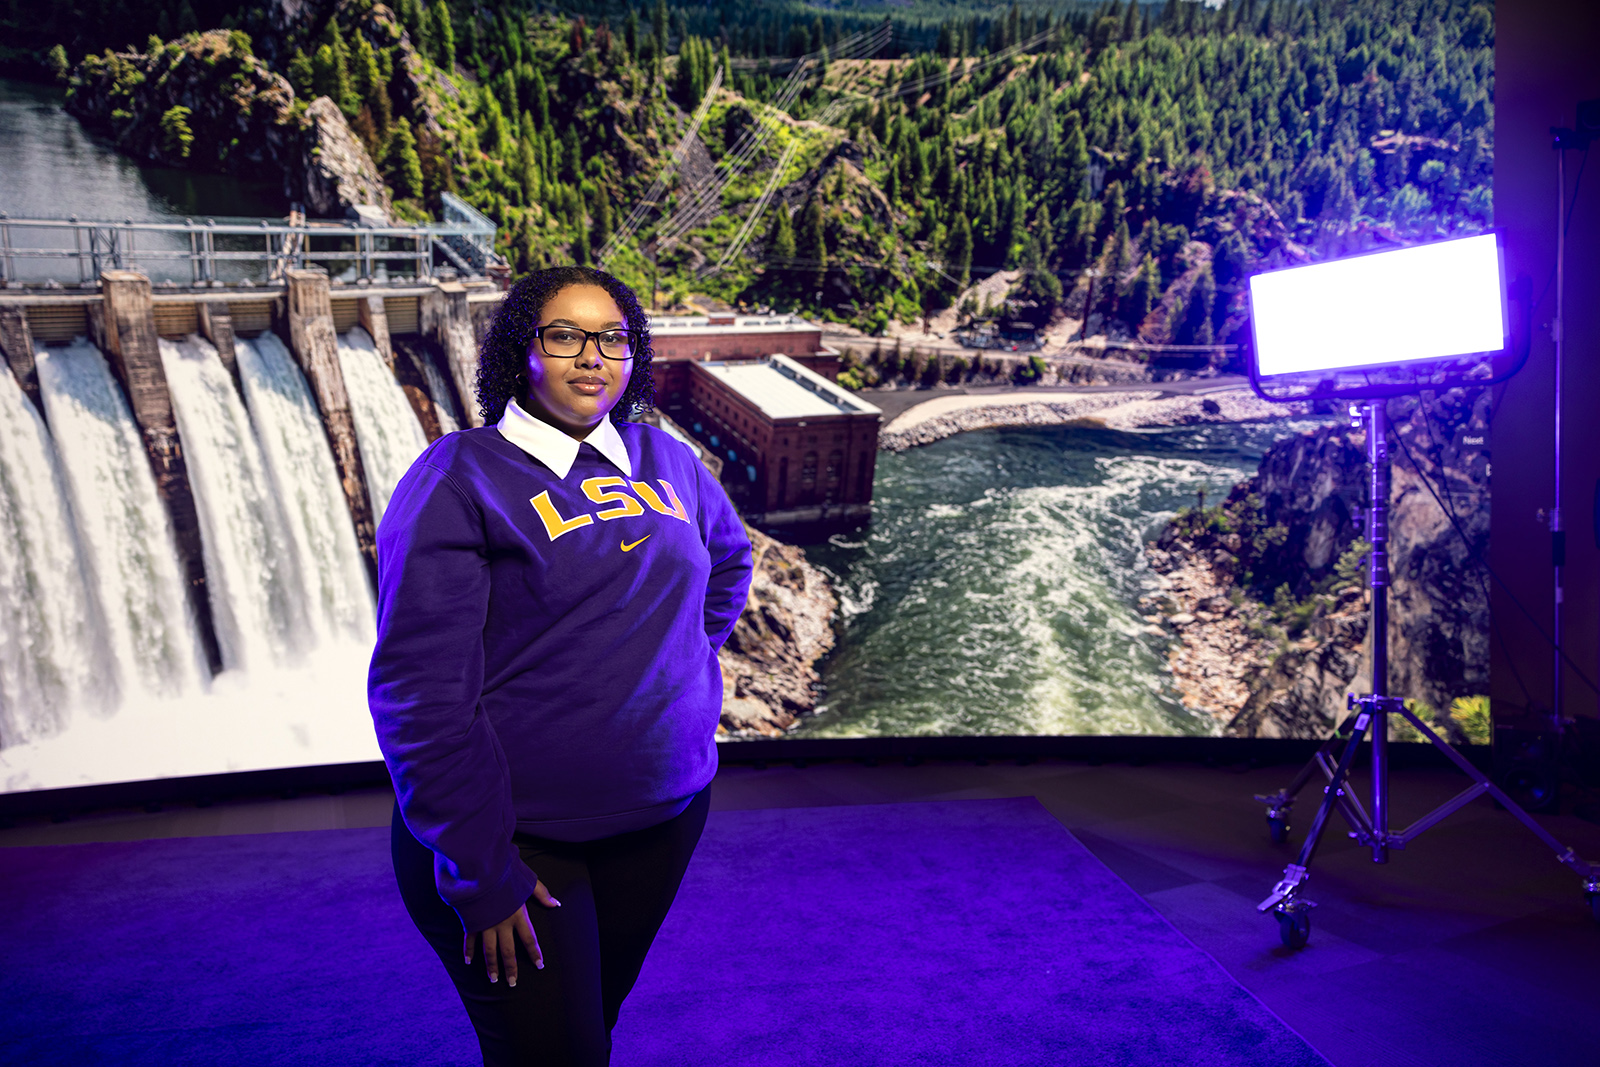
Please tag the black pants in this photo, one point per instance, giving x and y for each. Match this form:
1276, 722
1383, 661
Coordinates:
614, 895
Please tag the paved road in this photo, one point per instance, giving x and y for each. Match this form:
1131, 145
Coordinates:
946, 346
894, 402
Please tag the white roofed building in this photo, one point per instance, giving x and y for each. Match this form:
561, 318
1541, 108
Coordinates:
796, 447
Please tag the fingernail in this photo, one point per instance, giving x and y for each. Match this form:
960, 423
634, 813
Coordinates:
512, 982
493, 979
540, 965
556, 902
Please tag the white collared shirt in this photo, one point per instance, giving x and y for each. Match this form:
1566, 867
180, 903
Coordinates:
556, 449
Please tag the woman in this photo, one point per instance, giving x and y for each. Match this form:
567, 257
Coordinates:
553, 588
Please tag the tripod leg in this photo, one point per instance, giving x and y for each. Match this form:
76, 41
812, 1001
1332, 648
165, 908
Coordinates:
1284, 894
1589, 872
1280, 803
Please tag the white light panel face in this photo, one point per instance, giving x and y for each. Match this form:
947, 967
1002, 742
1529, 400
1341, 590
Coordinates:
1431, 302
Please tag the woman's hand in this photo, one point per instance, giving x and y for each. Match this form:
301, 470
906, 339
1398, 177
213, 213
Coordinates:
500, 940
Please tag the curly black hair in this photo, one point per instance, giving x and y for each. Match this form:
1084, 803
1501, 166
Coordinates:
503, 360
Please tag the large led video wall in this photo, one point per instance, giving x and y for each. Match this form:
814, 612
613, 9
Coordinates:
1027, 233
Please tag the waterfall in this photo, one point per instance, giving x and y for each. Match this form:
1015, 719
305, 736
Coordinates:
129, 553
443, 406
53, 653
387, 430
251, 570
306, 485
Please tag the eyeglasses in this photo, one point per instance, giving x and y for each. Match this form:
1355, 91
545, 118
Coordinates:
564, 342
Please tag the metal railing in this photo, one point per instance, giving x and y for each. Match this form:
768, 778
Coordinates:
218, 253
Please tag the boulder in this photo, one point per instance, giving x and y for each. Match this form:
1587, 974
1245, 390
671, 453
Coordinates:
769, 662
336, 174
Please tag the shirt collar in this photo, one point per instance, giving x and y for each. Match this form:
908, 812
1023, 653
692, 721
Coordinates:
557, 450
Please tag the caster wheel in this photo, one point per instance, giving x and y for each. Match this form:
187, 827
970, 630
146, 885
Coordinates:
1277, 829
1294, 927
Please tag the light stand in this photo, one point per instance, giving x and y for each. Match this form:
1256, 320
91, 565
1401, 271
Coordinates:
1337, 754
1369, 328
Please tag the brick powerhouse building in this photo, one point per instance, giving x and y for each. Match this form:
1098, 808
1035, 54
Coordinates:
797, 447
683, 339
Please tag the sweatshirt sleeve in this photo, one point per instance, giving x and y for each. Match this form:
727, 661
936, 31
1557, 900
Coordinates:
450, 775
731, 564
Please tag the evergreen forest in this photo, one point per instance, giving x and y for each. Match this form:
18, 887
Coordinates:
867, 162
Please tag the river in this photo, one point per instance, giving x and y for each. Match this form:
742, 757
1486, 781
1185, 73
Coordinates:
996, 589
51, 167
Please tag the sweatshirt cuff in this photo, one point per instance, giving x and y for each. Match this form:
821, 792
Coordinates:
495, 905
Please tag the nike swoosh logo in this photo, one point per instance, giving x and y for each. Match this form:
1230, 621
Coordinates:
629, 548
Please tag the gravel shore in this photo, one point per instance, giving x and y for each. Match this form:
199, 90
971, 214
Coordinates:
947, 415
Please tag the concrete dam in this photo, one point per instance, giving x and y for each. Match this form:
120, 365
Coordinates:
189, 485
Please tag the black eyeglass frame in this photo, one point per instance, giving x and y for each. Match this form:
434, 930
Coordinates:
588, 335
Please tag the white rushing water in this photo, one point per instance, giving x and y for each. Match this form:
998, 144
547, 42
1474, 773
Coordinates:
306, 484
126, 535
252, 573
443, 406
288, 588
387, 430
53, 651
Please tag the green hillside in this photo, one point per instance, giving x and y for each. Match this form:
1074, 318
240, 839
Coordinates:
1137, 159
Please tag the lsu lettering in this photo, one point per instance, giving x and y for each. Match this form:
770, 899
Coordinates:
608, 491
650, 497
599, 490
554, 524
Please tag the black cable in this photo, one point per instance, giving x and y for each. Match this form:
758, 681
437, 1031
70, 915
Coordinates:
1533, 307
1572, 748
1450, 511
1476, 558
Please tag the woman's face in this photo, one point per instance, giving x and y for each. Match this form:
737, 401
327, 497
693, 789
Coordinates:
574, 393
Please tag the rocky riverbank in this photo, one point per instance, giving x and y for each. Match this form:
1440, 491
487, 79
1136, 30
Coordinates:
769, 674
1265, 594
1146, 409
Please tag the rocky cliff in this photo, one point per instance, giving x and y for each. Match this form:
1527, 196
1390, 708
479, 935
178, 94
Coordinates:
769, 670
206, 102
1266, 594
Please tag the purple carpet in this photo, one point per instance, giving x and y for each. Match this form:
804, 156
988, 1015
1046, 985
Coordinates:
966, 932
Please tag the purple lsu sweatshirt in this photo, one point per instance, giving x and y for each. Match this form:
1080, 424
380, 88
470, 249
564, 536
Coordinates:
546, 657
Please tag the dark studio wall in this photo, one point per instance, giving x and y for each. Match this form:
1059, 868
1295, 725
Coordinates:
1547, 58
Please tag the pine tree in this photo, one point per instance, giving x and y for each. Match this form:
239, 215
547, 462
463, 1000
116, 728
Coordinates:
1121, 250
580, 243
658, 27
541, 101
331, 72
370, 84
1196, 329
302, 75
176, 136
403, 163
571, 155
601, 212
444, 37
411, 20
1116, 205
958, 252
944, 181
528, 169
811, 244
505, 89
780, 242
1142, 293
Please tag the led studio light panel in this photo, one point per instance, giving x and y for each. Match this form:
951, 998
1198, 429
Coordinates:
1432, 302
